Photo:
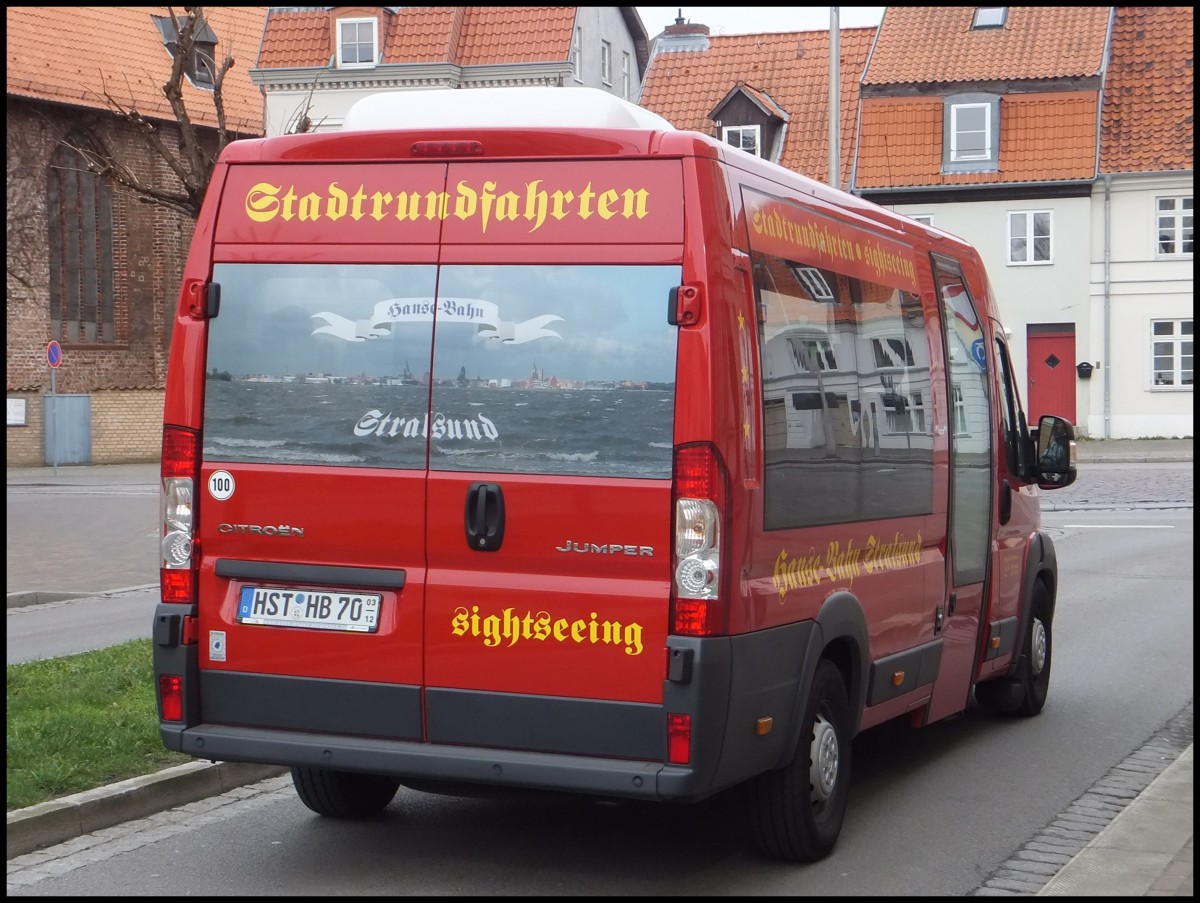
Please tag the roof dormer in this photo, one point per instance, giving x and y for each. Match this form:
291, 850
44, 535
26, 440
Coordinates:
357, 36
749, 119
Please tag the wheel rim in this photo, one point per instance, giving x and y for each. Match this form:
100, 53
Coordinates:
823, 772
1041, 647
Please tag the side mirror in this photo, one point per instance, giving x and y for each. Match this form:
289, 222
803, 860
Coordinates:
1055, 467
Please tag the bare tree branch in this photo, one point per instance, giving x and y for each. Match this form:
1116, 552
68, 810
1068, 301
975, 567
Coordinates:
197, 150
300, 121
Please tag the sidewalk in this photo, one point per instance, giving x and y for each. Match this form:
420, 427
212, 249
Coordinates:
1146, 850
1132, 451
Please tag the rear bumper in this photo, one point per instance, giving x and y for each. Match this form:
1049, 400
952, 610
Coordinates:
726, 686
438, 762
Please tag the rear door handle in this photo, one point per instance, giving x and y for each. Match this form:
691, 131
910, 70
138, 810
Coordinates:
485, 517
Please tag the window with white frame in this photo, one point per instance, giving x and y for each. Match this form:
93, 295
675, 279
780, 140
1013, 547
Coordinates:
1171, 352
925, 219
606, 62
577, 54
744, 136
1030, 237
358, 43
626, 76
970, 132
1174, 225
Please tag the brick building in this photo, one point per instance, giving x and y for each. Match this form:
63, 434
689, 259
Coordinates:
89, 264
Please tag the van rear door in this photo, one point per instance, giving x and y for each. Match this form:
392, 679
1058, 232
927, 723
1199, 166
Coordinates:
438, 443
552, 433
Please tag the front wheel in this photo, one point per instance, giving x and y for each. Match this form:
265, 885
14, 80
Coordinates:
1034, 671
343, 794
1025, 693
797, 811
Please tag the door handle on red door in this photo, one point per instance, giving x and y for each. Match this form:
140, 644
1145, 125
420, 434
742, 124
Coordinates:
485, 516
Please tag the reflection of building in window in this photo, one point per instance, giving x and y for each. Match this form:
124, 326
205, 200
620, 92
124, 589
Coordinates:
1171, 348
813, 354
893, 352
814, 283
960, 412
845, 388
907, 413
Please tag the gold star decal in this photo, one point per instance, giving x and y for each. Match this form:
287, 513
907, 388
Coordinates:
746, 428
741, 321
745, 374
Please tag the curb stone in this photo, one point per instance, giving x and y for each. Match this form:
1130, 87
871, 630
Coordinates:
59, 820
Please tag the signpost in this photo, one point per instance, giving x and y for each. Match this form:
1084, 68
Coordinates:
54, 356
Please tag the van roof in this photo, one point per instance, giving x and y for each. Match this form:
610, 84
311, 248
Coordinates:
519, 107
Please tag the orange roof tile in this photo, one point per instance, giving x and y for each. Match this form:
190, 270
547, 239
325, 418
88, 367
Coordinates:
120, 50
463, 35
1043, 137
936, 44
791, 68
300, 38
1146, 123
517, 34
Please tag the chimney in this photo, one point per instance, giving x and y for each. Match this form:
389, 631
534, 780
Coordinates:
682, 35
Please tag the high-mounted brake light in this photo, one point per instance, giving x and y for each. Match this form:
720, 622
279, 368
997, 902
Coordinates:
699, 601
180, 474
447, 149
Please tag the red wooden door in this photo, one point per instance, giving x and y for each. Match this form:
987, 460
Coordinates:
1051, 374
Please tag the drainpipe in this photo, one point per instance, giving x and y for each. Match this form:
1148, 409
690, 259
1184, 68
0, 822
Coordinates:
835, 100
1107, 305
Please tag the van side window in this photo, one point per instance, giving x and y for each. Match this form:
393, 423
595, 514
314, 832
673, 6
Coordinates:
845, 395
1011, 414
971, 436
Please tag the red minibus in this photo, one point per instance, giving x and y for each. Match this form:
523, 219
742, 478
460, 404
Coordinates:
516, 439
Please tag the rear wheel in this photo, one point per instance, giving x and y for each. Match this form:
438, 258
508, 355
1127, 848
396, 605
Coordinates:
1025, 693
797, 811
343, 794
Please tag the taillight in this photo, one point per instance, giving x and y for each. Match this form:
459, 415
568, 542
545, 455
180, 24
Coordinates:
698, 603
180, 474
679, 739
170, 696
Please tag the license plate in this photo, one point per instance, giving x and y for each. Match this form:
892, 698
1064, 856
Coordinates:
316, 609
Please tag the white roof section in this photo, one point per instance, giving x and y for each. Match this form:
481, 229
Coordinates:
522, 107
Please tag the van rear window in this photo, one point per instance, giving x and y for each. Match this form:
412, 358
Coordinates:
490, 368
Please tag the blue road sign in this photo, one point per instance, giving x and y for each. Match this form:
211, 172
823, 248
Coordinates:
54, 354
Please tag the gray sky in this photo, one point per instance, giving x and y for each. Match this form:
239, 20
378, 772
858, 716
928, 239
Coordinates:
758, 19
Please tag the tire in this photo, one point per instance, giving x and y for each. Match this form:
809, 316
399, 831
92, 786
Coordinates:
343, 794
1025, 693
797, 811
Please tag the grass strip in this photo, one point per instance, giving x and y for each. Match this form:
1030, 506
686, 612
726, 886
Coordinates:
82, 721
